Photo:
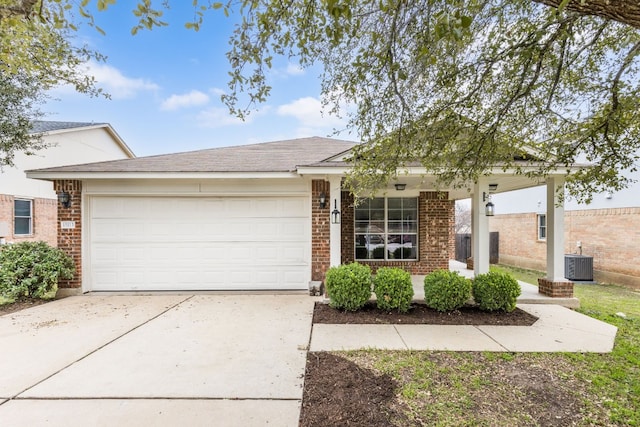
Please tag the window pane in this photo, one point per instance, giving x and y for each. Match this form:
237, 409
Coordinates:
377, 214
22, 208
362, 215
409, 227
395, 214
395, 227
362, 226
410, 203
361, 247
376, 203
22, 226
395, 203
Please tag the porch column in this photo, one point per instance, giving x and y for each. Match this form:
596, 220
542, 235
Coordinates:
480, 227
335, 235
555, 284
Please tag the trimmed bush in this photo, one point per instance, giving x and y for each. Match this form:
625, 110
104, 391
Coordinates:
496, 291
349, 286
32, 270
446, 290
393, 289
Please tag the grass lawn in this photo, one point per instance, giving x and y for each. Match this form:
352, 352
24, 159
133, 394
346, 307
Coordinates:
505, 389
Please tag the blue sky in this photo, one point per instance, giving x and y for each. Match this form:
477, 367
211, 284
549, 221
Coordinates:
166, 83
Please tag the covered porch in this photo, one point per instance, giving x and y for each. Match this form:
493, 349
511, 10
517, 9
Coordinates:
529, 295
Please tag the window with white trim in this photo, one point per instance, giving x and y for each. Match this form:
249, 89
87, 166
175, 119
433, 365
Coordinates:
386, 229
542, 226
22, 217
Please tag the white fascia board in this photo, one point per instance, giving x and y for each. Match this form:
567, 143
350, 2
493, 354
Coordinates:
309, 170
157, 175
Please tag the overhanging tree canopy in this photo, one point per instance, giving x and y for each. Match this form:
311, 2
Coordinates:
459, 85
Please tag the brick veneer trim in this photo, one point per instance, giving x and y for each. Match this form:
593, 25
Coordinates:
555, 289
70, 240
320, 230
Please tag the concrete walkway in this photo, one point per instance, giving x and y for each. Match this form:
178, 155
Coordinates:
557, 329
155, 360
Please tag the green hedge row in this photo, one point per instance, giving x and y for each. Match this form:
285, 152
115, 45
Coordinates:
350, 286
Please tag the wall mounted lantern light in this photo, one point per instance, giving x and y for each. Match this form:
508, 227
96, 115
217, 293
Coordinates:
64, 198
335, 214
401, 187
489, 208
323, 200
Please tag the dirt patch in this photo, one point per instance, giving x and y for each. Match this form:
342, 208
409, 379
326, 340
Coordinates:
338, 392
421, 314
382, 388
21, 305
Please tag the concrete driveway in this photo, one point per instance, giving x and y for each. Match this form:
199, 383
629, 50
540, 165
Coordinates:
192, 360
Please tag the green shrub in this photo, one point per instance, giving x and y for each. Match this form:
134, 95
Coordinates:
349, 286
32, 269
446, 290
496, 291
393, 289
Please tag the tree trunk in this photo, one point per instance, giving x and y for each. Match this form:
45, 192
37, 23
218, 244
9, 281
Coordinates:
624, 11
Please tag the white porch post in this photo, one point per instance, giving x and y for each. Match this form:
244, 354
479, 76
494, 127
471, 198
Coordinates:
480, 228
335, 235
555, 229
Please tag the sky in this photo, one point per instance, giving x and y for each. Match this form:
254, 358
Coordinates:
165, 87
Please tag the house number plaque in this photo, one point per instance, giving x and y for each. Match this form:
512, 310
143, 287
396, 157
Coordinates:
67, 225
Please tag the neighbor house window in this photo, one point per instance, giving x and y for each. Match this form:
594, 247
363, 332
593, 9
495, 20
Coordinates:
22, 217
387, 229
542, 227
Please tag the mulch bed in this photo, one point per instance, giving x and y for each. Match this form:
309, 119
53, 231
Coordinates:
420, 314
337, 392
21, 304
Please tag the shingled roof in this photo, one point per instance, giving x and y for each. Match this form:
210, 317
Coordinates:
278, 156
51, 126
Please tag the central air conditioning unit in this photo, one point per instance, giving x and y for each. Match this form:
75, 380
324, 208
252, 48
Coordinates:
578, 267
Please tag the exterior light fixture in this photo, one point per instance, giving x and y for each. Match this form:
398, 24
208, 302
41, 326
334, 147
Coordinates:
335, 214
323, 200
489, 208
64, 198
401, 187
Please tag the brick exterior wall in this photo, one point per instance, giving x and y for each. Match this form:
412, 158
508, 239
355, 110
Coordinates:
610, 236
320, 230
435, 234
70, 240
44, 218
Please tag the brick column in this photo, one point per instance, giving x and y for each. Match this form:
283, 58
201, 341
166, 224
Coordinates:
346, 222
555, 289
436, 212
70, 239
320, 230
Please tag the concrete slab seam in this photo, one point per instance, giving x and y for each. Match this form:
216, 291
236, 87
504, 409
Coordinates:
15, 397
492, 338
401, 338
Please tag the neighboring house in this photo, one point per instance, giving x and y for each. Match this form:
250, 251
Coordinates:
28, 207
608, 229
270, 216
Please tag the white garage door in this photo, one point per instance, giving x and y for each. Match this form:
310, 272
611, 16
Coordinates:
182, 243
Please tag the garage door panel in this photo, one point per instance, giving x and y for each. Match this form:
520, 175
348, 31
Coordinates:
162, 243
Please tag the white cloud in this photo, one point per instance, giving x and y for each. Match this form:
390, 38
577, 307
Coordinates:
191, 99
117, 84
308, 111
294, 69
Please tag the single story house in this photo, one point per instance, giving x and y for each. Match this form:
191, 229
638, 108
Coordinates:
28, 207
269, 216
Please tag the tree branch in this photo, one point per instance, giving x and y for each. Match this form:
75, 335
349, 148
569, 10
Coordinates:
623, 11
